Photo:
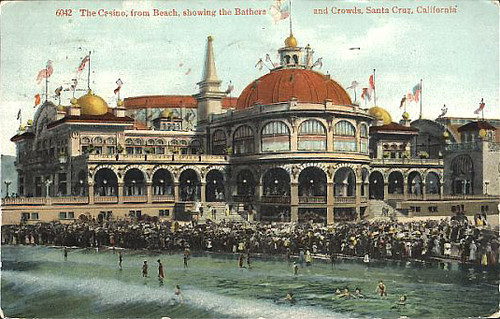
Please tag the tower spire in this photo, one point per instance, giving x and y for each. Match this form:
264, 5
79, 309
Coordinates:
210, 72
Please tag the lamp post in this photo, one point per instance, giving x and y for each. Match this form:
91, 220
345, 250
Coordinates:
81, 187
48, 182
7, 184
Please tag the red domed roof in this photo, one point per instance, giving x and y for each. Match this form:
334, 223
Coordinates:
281, 85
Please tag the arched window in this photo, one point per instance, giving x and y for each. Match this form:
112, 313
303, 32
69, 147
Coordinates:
312, 136
345, 137
243, 140
219, 146
363, 136
275, 137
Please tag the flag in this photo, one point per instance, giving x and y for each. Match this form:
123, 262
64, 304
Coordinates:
318, 63
45, 73
230, 87
188, 71
58, 91
354, 85
409, 97
119, 83
18, 114
37, 100
372, 83
73, 86
444, 110
83, 63
268, 59
417, 89
366, 94
280, 10
481, 107
403, 101
260, 64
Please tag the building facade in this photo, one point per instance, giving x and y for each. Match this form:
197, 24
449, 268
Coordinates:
292, 147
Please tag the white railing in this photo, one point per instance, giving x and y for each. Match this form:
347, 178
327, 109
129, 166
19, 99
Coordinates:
345, 199
275, 199
24, 201
312, 199
163, 198
407, 161
70, 200
106, 199
135, 199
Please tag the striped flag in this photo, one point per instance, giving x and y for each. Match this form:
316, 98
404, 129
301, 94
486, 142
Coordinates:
119, 83
280, 10
366, 94
83, 63
403, 101
45, 73
417, 89
481, 107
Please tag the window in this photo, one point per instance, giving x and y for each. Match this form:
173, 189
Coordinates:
345, 137
130, 150
71, 215
111, 150
312, 136
243, 140
134, 214
25, 216
85, 149
363, 133
61, 187
98, 149
433, 209
34, 216
275, 137
62, 215
219, 143
415, 209
164, 212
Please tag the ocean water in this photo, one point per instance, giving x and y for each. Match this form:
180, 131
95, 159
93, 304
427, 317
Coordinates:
38, 282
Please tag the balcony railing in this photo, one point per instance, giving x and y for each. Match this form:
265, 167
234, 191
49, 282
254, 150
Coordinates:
106, 199
345, 199
70, 200
432, 196
414, 196
159, 157
395, 196
312, 199
406, 161
135, 199
466, 146
163, 198
24, 201
243, 198
275, 199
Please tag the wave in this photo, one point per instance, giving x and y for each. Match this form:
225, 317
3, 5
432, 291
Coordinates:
114, 294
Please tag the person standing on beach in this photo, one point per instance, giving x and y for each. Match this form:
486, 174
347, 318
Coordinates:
65, 253
160, 270
145, 269
186, 260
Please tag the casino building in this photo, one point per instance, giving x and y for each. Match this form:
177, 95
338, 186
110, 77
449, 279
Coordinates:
292, 147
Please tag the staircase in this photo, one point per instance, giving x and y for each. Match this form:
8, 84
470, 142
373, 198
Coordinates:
220, 207
382, 210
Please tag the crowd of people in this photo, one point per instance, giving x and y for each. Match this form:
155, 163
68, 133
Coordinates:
373, 240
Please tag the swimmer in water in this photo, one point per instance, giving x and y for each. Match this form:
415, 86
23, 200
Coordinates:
145, 269
160, 270
65, 253
402, 300
120, 260
382, 290
346, 294
178, 294
295, 268
290, 298
357, 293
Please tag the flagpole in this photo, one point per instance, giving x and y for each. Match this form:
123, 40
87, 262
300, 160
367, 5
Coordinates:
374, 90
291, 17
355, 99
420, 117
46, 82
88, 76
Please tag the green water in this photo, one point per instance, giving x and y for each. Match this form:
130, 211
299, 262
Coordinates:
38, 282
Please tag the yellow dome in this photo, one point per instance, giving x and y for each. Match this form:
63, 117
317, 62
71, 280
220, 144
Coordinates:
406, 116
380, 114
446, 135
483, 133
120, 103
62, 108
291, 42
92, 104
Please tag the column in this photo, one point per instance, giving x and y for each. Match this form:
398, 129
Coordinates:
120, 193
203, 192
406, 190
293, 140
294, 201
344, 188
329, 141
330, 202
441, 190
176, 192
91, 192
423, 190
358, 198
149, 191
386, 190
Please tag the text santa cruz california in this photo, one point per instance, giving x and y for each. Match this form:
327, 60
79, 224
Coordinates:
387, 10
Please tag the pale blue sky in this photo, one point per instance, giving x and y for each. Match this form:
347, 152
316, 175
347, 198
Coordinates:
456, 55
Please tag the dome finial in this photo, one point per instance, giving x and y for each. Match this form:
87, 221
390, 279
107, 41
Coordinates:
291, 41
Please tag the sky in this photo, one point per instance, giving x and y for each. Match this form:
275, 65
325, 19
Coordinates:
456, 55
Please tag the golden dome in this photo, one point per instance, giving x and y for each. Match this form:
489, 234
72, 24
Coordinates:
380, 114
22, 127
291, 42
446, 135
92, 104
120, 103
30, 122
73, 101
406, 116
62, 108
483, 133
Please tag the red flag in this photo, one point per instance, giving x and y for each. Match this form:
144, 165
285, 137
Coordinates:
372, 83
481, 107
82, 64
119, 82
45, 73
37, 100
